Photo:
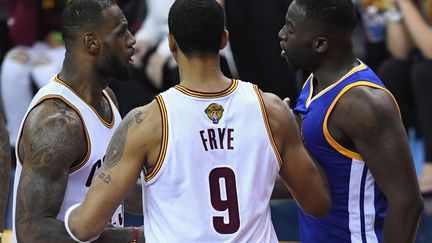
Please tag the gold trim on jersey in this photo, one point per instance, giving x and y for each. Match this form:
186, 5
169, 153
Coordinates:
74, 167
267, 124
326, 132
164, 143
197, 94
309, 100
105, 123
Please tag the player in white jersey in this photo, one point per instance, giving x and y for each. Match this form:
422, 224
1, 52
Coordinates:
211, 149
65, 132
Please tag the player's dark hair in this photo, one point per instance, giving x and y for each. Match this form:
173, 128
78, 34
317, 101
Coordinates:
335, 14
82, 16
197, 26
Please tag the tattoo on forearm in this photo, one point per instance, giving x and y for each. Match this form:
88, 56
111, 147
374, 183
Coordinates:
106, 177
117, 144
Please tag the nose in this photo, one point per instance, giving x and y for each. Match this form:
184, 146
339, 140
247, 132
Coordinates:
131, 40
281, 35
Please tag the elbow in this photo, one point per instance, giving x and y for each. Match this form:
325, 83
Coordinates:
418, 206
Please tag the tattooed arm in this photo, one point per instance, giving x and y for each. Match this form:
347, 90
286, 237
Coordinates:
5, 164
135, 143
52, 140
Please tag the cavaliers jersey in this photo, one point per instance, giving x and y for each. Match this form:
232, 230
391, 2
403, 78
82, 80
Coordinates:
216, 169
358, 206
98, 134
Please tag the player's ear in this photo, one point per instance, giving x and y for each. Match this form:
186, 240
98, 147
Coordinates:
91, 42
172, 43
224, 41
320, 44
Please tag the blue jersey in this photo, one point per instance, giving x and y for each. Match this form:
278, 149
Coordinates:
358, 206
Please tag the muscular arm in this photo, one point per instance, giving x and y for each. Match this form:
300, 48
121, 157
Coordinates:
5, 165
135, 142
52, 140
133, 203
369, 118
303, 177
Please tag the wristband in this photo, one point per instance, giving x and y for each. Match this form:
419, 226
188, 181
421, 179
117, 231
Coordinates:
68, 212
135, 235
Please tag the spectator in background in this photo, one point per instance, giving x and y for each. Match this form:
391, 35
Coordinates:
34, 29
153, 35
151, 74
253, 26
407, 72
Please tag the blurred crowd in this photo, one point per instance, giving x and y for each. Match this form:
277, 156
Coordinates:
393, 37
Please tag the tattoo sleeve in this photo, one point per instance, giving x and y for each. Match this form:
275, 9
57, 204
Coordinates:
5, 165
52, 141
117, 144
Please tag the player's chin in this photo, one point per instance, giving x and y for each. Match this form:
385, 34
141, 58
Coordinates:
291, 65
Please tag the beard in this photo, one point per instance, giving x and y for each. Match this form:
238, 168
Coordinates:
111, 67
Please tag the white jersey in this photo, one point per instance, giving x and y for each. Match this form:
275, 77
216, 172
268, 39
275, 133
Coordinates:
216, 170
98, 134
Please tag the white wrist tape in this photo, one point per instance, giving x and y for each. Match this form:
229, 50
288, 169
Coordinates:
68, 212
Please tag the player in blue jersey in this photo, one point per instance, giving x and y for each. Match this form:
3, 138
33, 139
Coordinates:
351, 124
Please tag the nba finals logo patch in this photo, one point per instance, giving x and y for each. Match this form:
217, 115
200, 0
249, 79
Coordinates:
214, 112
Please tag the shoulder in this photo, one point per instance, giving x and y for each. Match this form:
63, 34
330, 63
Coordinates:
144, 119
53, 127
366, 107
278, 112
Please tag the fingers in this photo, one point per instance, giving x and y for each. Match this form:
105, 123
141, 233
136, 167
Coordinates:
287, 102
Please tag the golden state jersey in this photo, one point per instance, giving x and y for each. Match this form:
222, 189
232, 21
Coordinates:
98, 134
216, 170
358, 205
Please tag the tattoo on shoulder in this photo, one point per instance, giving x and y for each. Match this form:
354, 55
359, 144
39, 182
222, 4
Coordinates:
117, 144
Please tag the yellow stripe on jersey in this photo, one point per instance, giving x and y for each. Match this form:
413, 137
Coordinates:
164, 143
267, 124
198, 94
76, 166
105, 123
360, 67
326, 132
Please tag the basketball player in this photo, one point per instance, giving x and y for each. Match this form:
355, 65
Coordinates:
352, 126
211, 148
5, 165
66, 130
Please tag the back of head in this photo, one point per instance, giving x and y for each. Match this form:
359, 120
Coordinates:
197, 26
80, 16
335, 15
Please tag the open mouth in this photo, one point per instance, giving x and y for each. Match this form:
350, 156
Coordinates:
131, 61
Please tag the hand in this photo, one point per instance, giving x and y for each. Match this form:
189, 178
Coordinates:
141, 48
287, 102
154, 69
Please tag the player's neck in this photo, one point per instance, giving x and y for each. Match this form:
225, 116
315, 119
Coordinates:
83, 80
202, 74
331, 71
